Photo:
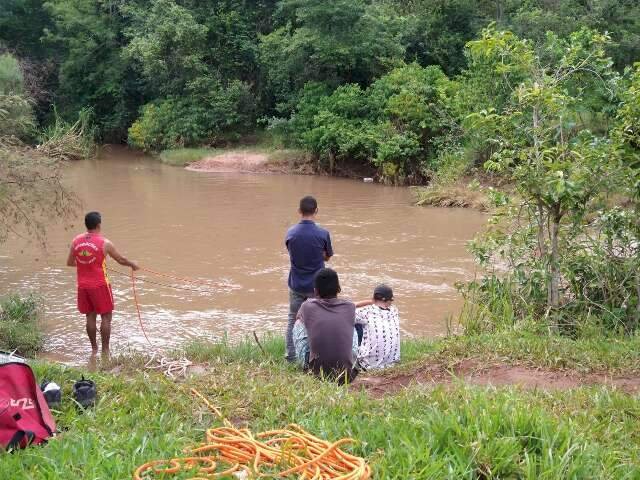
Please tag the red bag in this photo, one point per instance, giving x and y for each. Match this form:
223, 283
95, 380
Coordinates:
25, 418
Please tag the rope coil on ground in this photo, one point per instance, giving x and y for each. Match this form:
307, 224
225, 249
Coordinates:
272, 454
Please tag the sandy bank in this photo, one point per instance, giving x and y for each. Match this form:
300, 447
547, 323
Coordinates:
236, 161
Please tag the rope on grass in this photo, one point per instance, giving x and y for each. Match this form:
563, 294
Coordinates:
170, 367
158, 361
272, 454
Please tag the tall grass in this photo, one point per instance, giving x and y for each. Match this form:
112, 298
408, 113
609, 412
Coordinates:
62, 140
456, 194
19, 325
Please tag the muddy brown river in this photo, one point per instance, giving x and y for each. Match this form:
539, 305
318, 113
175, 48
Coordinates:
226, 230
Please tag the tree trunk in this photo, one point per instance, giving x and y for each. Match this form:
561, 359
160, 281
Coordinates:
554, 264
637, 299
542, 244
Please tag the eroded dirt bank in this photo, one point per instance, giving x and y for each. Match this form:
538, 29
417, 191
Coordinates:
478, 372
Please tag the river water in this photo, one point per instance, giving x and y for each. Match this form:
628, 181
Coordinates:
226, 231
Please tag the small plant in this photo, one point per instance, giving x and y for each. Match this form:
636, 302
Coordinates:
19, 325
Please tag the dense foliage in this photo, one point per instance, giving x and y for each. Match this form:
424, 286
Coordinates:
164, 73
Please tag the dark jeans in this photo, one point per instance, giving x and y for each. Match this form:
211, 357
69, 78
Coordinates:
360, 332
295, 300
339, 374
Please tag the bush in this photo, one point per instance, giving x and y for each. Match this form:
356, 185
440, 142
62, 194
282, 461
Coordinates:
68, 141
600, 284
19, 325
395, 124
16, 112
206, 114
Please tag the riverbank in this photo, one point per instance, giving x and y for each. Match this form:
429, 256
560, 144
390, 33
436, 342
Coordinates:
465, 192
248, 158
432, 429
258, 157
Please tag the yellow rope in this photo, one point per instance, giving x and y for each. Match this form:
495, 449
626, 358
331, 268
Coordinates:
272, 454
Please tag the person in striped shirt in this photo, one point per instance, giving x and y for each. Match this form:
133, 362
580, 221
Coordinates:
378, 327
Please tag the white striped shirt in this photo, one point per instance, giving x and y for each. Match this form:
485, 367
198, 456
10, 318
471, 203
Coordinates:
380, 337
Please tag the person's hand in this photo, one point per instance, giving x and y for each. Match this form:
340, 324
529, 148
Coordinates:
134, 266
364, 303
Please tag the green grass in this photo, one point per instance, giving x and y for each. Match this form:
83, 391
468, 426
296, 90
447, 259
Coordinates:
289, 158
181, 157
260, 141
616, 354
451, 432
19, 329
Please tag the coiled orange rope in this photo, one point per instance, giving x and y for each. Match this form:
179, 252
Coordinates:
273, 454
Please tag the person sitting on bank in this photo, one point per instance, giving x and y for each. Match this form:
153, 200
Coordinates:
324, 334
378, 330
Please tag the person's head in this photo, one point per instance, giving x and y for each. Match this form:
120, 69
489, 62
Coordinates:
383, 295
326, 283
93, 220
308, 206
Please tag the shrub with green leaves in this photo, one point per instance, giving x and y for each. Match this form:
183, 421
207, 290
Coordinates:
19, 325
16, 113
393, 125
204, 115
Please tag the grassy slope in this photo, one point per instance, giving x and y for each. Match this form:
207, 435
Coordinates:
19, 329
447, 432
181, 157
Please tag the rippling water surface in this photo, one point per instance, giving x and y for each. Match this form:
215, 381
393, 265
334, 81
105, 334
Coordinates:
229, 229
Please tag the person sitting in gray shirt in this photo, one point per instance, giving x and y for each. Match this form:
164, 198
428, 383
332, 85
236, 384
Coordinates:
325, 328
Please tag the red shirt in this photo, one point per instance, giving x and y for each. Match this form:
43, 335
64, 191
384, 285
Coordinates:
91, 263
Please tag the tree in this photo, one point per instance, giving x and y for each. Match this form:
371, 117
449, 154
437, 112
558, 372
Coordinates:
437, 31
31, 191
628, 130
16, 114
22, 25
88, 38
167, 44
558, 166
339, 42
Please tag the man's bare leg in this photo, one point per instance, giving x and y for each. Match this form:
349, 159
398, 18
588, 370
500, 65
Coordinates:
105, 332
92, 364
91, 331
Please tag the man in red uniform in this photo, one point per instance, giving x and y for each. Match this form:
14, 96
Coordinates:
88, 254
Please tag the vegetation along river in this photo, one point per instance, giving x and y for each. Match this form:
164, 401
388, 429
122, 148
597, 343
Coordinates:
229, 228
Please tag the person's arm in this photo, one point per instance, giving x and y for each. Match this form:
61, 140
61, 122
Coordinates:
364, 303
71, 258
299, 315
110, 250
361, 316
328, 249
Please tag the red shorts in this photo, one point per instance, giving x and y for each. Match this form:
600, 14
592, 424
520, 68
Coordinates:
95, 300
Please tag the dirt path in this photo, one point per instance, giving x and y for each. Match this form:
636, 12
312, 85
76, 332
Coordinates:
236, 161
478, 372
